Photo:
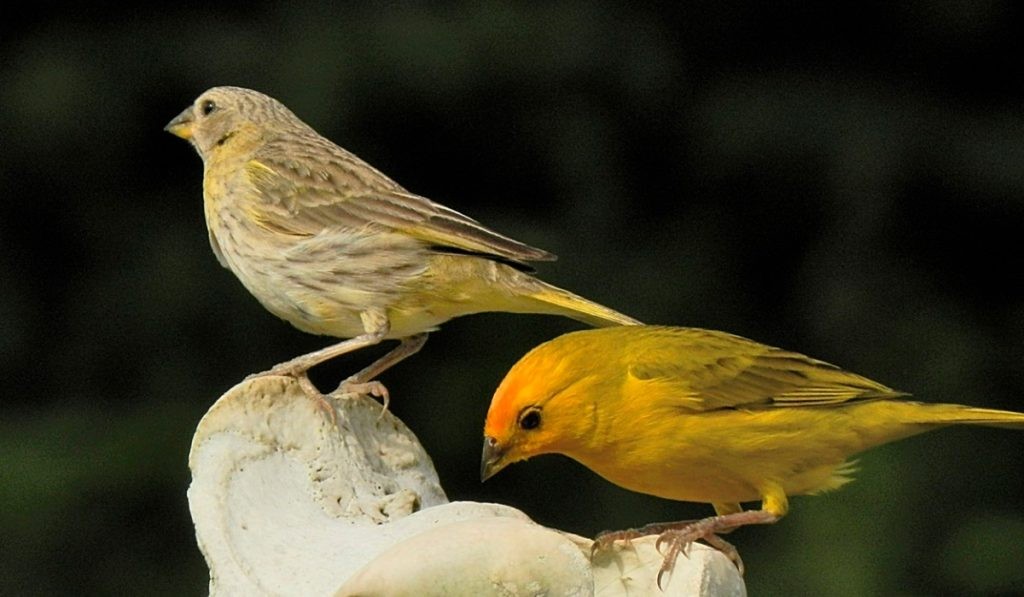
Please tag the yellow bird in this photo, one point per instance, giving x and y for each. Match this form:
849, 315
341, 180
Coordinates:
333, 246
701, 416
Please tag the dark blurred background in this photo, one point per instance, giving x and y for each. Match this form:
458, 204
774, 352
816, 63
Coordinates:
844, 179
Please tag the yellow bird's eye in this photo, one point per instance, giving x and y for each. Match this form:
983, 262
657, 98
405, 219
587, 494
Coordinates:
530, 419
208, 107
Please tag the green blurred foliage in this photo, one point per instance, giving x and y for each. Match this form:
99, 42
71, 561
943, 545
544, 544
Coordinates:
846, 180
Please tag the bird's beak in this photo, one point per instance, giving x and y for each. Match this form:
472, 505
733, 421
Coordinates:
493, 459
181, 126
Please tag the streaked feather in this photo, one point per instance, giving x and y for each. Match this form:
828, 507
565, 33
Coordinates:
307, 201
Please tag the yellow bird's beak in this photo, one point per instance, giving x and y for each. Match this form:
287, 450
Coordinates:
493, 459
181, 126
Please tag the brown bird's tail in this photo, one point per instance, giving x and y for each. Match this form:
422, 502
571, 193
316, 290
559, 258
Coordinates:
555, 301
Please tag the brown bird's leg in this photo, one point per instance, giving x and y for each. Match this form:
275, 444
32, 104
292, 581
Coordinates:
304, 363
363, 382
376, 325
299, 367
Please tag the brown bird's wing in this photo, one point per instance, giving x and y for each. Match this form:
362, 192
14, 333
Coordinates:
711, 370
344, 192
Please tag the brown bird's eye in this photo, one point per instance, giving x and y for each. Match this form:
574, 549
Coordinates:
530, 420
207, 107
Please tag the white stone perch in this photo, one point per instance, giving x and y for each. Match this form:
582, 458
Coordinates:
286, 501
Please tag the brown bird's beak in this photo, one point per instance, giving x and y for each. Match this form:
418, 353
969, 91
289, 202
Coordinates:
181, 126
493, 459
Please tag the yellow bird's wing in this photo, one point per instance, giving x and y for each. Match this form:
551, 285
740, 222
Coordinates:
710, 370
297, 198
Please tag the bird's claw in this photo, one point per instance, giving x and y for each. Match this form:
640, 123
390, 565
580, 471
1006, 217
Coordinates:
605, 539
676, 542
366, 388
728, 550
673, 539
323, 402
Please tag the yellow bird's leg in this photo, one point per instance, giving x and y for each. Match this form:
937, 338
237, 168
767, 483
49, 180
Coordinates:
722, 509
774, 506
604, 539
363, 381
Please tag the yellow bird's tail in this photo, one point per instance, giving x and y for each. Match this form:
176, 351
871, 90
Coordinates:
877, 422
914, 414
957, 414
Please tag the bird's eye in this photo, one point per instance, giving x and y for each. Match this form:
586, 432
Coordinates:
530, 419
207, 107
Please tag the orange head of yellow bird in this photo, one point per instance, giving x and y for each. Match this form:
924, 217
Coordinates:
537, 410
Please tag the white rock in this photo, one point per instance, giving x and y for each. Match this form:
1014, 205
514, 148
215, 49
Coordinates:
287, 501
485, 556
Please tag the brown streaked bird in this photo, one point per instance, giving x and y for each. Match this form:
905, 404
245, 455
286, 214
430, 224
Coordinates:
333, 246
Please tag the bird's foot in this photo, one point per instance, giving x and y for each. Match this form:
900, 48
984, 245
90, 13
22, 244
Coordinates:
677, 541
323, 402
365, 388
605, 539
675, 538
673, 542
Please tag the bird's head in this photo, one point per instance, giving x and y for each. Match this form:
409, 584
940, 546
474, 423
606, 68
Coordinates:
221, 113
545, 405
